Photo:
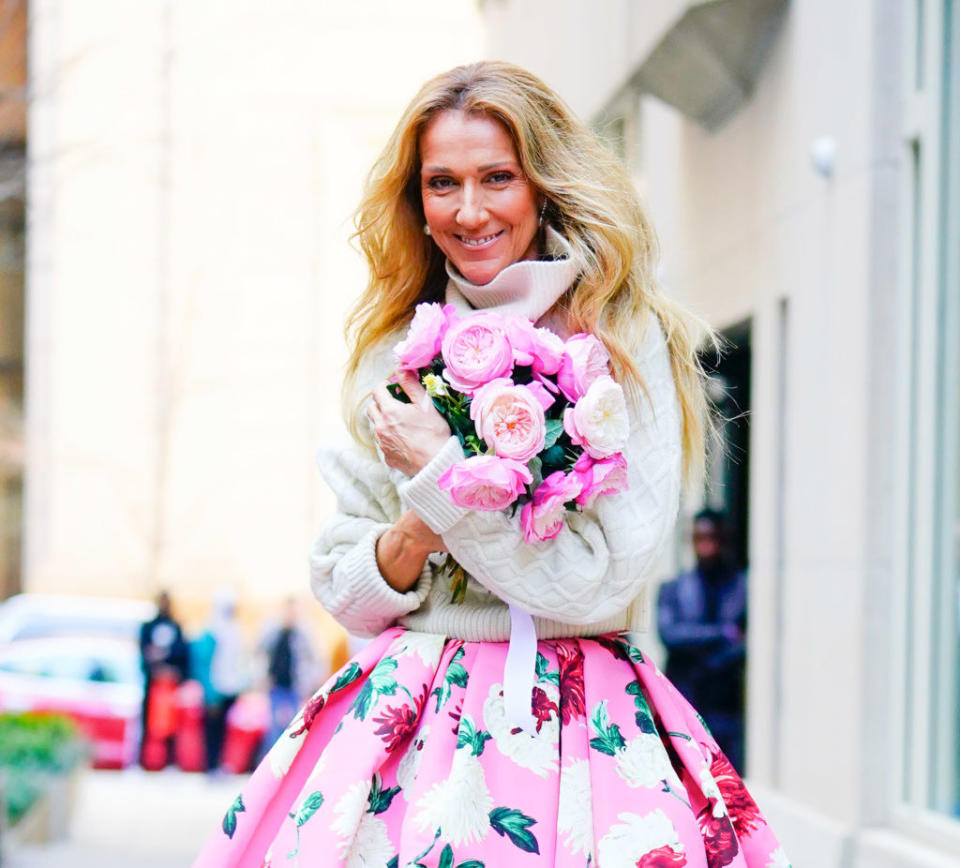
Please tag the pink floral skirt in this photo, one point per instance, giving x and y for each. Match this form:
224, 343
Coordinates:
405, 758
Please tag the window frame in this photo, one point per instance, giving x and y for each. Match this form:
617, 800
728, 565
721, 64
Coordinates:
928, 486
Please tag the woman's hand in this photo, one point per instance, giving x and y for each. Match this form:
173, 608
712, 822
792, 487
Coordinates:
402, 550
408, 435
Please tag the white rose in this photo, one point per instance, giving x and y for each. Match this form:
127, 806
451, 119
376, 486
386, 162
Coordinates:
599, 421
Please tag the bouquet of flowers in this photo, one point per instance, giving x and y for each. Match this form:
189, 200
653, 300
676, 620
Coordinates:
541, 419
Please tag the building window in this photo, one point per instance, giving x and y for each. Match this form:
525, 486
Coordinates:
931, 781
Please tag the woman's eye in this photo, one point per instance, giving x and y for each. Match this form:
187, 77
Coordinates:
440, 183
500, 177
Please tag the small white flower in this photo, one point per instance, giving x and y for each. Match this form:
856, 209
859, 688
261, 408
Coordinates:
371, 847
643, 762
458, 806
536, 751
409, 764
350, 809
708, 786
600, 418
778, 859
427, 646
634, 837
435, 386
575, 812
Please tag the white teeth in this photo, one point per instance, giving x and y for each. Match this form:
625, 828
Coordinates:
476, 242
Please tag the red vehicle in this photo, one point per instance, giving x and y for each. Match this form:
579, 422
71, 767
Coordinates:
95, 681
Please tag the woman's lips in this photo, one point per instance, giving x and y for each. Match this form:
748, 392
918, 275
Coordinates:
478, 242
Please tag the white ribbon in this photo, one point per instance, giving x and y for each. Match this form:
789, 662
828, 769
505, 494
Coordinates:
519, 673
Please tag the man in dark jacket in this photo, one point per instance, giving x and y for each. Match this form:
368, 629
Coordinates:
702, 619
163, 654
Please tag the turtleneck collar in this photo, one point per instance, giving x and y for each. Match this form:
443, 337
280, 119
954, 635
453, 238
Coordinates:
529, 287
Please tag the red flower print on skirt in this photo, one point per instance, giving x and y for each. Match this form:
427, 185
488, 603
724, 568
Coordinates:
572, 700
662, 857
743, 810
313, 707
398, 724
542, 706
719, 839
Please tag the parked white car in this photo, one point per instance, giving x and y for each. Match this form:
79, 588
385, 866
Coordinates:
96, 681
35, 616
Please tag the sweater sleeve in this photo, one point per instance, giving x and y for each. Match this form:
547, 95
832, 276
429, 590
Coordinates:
602, 557
344, 574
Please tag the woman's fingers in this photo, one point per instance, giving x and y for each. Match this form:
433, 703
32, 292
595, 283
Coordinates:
413, 388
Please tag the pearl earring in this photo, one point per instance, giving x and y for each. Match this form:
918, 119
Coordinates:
543, 210
426, 229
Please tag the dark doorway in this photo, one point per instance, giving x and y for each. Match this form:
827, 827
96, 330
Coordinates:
728, 456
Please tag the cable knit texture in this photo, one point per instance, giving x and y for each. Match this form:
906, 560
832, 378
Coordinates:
588, 580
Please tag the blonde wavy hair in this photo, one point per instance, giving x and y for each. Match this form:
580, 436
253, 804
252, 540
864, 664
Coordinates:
591, 200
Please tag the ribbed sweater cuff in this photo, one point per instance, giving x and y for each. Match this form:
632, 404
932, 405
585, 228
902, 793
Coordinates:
423, 495
370, 595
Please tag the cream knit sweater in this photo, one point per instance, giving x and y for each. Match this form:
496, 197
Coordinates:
589, 579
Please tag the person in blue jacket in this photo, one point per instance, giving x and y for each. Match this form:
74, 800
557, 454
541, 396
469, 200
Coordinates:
702, 621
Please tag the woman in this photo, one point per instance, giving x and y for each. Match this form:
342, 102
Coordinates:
491, 195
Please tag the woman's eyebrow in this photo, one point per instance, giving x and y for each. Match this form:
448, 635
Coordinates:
484, 168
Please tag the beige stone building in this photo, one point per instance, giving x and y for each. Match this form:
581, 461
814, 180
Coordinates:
193, 167
13, 80
801, 162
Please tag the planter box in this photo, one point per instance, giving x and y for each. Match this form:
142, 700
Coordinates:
48, 818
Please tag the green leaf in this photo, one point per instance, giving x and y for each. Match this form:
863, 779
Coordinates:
310, 805
348, 676
362, 702
398, 393
633, 688
543, 671
469, 735
535, 466
603, 746
394, 862
230, 818
379, 799
554, 429
515, 825
553, 459
471, 863
609, 739
446, 857
381, 679
645, 722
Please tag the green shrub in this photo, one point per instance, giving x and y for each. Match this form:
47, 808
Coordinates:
33, 747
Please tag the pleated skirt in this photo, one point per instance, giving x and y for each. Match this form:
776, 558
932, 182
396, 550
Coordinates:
405, 757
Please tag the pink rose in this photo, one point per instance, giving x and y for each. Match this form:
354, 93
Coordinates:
538, 347
422, 343
584, 359
606, 476
598, 421
476, 350
509, 418
541, 393
485, 482
542, 518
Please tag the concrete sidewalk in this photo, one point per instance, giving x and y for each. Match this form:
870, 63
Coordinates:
137, 819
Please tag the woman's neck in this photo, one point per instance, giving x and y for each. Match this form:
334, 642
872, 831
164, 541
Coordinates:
530, 287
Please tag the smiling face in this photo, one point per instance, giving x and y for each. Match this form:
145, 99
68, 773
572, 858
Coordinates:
481, 209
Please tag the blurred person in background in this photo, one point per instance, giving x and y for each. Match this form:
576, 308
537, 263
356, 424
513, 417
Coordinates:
222, 665
431, 746
702, 620
292, 669
164, 658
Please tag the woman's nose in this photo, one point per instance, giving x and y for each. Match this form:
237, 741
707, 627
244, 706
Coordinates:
471, 212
